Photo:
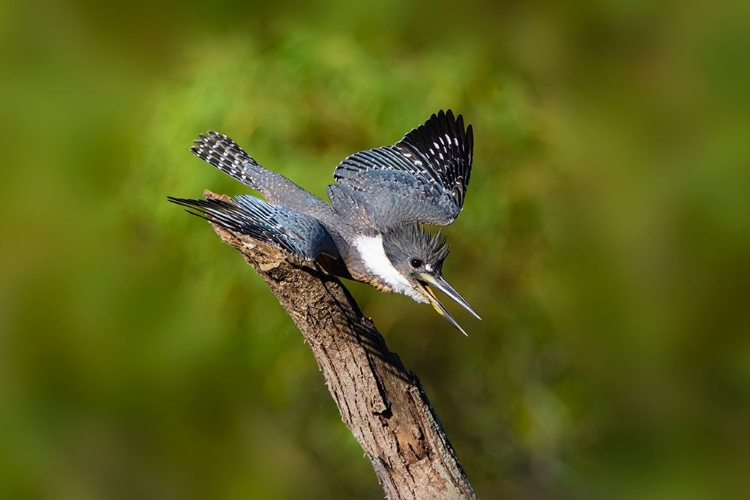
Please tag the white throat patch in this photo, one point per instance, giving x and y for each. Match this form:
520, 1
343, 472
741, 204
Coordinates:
373, 255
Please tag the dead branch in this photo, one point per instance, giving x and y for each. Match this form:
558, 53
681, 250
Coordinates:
381, 402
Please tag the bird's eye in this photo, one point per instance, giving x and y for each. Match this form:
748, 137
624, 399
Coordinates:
415, 263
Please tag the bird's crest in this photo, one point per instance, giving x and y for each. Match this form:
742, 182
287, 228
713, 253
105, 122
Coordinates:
431, 246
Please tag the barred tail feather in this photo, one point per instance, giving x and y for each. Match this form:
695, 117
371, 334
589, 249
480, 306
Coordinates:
224, 154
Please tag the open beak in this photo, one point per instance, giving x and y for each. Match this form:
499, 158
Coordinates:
426, 280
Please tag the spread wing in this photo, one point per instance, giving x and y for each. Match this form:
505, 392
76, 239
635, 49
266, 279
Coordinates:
296, 233
420, 179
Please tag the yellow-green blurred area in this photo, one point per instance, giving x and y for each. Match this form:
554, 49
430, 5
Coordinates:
605, 241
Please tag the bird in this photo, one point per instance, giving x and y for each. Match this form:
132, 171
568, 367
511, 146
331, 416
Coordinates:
374, 228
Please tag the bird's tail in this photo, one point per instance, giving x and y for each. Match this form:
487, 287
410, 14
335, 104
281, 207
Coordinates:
224, 154
293, 232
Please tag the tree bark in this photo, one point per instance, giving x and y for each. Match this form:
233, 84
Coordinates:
381, 402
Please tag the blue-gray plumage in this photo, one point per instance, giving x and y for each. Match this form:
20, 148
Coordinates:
372, 230
291, 231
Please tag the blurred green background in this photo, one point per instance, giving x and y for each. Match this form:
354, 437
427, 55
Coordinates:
605, 241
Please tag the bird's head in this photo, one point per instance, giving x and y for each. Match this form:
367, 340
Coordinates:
418, 255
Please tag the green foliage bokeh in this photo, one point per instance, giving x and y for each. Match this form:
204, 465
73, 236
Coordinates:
605, 241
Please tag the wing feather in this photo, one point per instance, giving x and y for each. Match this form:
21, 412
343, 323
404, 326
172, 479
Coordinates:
421, 179
294, 232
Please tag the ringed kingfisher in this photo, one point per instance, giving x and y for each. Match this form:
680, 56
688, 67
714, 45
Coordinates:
373, 229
